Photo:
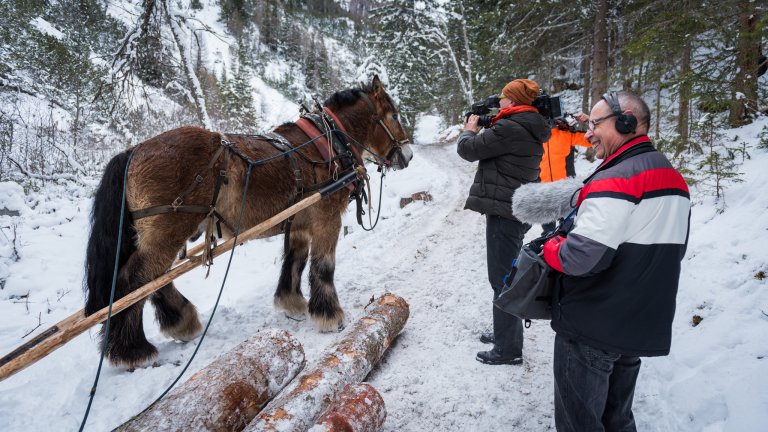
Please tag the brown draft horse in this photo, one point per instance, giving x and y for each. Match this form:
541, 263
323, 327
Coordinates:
163, 167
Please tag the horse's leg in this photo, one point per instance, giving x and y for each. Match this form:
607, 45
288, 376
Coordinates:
288, 296
324, 305
177, 317
127, 345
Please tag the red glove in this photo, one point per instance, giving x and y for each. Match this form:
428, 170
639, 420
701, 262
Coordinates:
551, 252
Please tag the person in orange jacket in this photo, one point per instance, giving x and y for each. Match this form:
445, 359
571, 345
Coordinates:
557, 162
556, 150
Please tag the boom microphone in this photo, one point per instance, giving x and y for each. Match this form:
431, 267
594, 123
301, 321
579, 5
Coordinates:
540, 203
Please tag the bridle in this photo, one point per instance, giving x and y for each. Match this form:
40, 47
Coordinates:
396, 144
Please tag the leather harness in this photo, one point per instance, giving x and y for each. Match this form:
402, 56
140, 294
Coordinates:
337, 153
178, 206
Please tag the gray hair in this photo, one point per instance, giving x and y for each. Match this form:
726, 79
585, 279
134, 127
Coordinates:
632, 102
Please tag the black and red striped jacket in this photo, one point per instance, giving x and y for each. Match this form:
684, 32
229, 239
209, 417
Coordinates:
621, 261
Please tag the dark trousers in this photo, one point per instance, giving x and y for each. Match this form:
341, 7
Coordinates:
504, 239
593, 388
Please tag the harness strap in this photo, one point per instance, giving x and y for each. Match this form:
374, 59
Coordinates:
280, 143
212, 215
321, 143
199, 177
313, 131
167, 208
324, 123
396, 145
339, 125
221, 179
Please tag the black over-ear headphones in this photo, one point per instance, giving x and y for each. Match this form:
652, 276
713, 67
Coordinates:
625, 123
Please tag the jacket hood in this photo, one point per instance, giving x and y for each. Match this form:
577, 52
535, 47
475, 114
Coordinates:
533, 122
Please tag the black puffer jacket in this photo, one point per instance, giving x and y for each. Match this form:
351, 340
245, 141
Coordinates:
509, 156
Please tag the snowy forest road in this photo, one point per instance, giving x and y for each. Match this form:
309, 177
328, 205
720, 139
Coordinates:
430, 253
430, 378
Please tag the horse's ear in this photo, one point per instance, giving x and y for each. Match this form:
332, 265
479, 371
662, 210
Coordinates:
376, 84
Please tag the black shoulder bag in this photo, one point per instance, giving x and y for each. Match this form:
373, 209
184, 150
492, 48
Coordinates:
529, 286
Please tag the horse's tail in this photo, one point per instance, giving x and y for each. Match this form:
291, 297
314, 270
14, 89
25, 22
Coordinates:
105, 231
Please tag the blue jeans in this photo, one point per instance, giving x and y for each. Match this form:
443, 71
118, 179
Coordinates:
593, 388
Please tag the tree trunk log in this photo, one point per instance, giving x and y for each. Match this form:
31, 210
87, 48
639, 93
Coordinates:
228, 393
600, 52
359, 408
347, 361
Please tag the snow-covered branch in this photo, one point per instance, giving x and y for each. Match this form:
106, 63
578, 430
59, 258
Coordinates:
185, 52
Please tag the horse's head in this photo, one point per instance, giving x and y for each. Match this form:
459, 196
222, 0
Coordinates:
372, 118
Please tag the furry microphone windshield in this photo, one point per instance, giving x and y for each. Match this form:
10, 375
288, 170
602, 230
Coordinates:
540, 203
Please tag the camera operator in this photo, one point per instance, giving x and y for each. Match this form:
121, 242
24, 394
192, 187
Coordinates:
557, 162
621, 265
509, 152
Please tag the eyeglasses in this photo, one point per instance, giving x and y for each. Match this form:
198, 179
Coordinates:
595, 122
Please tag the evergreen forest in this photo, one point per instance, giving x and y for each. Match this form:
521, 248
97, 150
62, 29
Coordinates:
82, 79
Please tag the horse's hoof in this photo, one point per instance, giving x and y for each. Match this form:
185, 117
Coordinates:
188, 326
131, 357
292, 305
329, 323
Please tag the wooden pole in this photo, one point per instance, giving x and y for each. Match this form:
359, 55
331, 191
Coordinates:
68, 328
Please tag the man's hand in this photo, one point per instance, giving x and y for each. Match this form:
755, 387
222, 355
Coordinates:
470, 124
581, 117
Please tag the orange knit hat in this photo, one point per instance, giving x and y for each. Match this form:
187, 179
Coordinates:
522, 91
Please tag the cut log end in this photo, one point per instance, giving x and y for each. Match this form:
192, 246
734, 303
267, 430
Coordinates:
359, 408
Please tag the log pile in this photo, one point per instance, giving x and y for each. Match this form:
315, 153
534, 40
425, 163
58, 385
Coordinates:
346, 362
228, 393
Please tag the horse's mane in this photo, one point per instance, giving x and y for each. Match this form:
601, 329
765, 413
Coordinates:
345, 98
350, 96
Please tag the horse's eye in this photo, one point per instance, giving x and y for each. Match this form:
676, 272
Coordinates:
394, 116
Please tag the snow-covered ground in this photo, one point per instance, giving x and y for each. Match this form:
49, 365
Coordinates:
433, 255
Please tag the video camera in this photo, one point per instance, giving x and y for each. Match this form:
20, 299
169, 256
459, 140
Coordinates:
549, 106
570, 123
482, 110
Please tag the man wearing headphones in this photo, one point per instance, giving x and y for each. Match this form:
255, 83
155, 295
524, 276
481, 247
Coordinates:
621, 265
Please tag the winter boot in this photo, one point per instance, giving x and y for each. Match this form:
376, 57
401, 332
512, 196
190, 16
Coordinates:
497, 356
486, 337
507, 340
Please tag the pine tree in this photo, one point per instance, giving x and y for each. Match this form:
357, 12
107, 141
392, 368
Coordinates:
719, 166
